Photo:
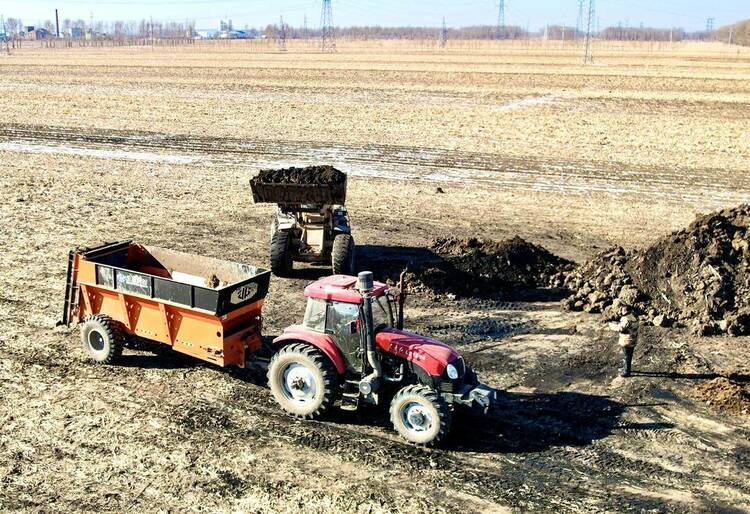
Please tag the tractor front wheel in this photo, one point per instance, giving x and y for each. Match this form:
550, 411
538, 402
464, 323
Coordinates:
281, 253
303, 381
342, 254
420, 415
102, 339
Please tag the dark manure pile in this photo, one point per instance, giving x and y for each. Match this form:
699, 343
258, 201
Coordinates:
697, 277
477, 267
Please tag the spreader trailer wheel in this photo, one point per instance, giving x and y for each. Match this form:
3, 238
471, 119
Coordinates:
420, 415
102, 339
343, 254
303, 381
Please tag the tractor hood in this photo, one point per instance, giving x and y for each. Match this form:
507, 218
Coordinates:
429, 354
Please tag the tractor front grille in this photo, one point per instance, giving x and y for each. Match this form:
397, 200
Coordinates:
447, 386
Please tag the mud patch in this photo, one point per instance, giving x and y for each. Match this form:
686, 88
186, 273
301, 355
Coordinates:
203, 416
490, 329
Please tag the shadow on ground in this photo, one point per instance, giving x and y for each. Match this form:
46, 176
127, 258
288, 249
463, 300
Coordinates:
533, 422
518, 423
523, 422
393, 259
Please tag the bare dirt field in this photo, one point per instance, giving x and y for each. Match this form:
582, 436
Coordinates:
158, 145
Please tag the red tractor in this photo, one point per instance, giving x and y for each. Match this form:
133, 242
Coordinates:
351, 346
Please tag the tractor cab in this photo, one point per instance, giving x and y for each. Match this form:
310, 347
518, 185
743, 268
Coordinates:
334, 307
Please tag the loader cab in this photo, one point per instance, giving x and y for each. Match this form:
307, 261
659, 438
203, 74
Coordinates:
334, 308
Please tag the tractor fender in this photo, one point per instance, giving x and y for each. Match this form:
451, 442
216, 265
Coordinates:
322, 342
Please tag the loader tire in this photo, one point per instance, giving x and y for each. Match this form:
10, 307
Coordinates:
343, 254
102, 338
303, 381
281, 253
420, 415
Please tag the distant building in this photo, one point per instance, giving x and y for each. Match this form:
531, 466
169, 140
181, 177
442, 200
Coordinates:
239, 34
76, 32
34, 34
206, 34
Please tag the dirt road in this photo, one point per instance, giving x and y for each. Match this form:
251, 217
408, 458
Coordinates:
710, 187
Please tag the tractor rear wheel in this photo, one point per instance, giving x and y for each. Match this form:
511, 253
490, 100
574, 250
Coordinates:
102, 338
303, 381
420, 415
342, 254
281, 253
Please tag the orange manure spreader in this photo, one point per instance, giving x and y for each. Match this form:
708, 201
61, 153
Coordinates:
204, 307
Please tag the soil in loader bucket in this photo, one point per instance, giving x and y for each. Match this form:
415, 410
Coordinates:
310, 185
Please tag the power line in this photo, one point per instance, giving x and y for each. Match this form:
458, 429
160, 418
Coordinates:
282, 35
588, 57
579, 19
327, 35
710, 24
444, 35
501, 20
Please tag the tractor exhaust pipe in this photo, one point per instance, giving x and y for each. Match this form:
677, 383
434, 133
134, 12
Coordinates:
365, 286
401, 300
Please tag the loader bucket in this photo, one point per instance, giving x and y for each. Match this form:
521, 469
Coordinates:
294, 186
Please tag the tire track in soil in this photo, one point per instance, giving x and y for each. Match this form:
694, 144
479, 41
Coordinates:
551, 479
567, 472
709, 186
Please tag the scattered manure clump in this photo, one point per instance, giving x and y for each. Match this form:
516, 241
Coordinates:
726, 395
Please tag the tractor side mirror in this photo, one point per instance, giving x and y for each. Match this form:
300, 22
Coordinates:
353, 327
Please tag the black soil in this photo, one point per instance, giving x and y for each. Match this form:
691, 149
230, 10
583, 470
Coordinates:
698, 276
327, 175
471, 267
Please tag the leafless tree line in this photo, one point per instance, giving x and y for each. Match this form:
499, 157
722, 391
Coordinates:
484, 32
146, 30
14, 28
738, 34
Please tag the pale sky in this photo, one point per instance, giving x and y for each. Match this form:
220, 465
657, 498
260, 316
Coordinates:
688, 14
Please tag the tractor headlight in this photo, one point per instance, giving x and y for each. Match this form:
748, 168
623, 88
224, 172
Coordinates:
452, 371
